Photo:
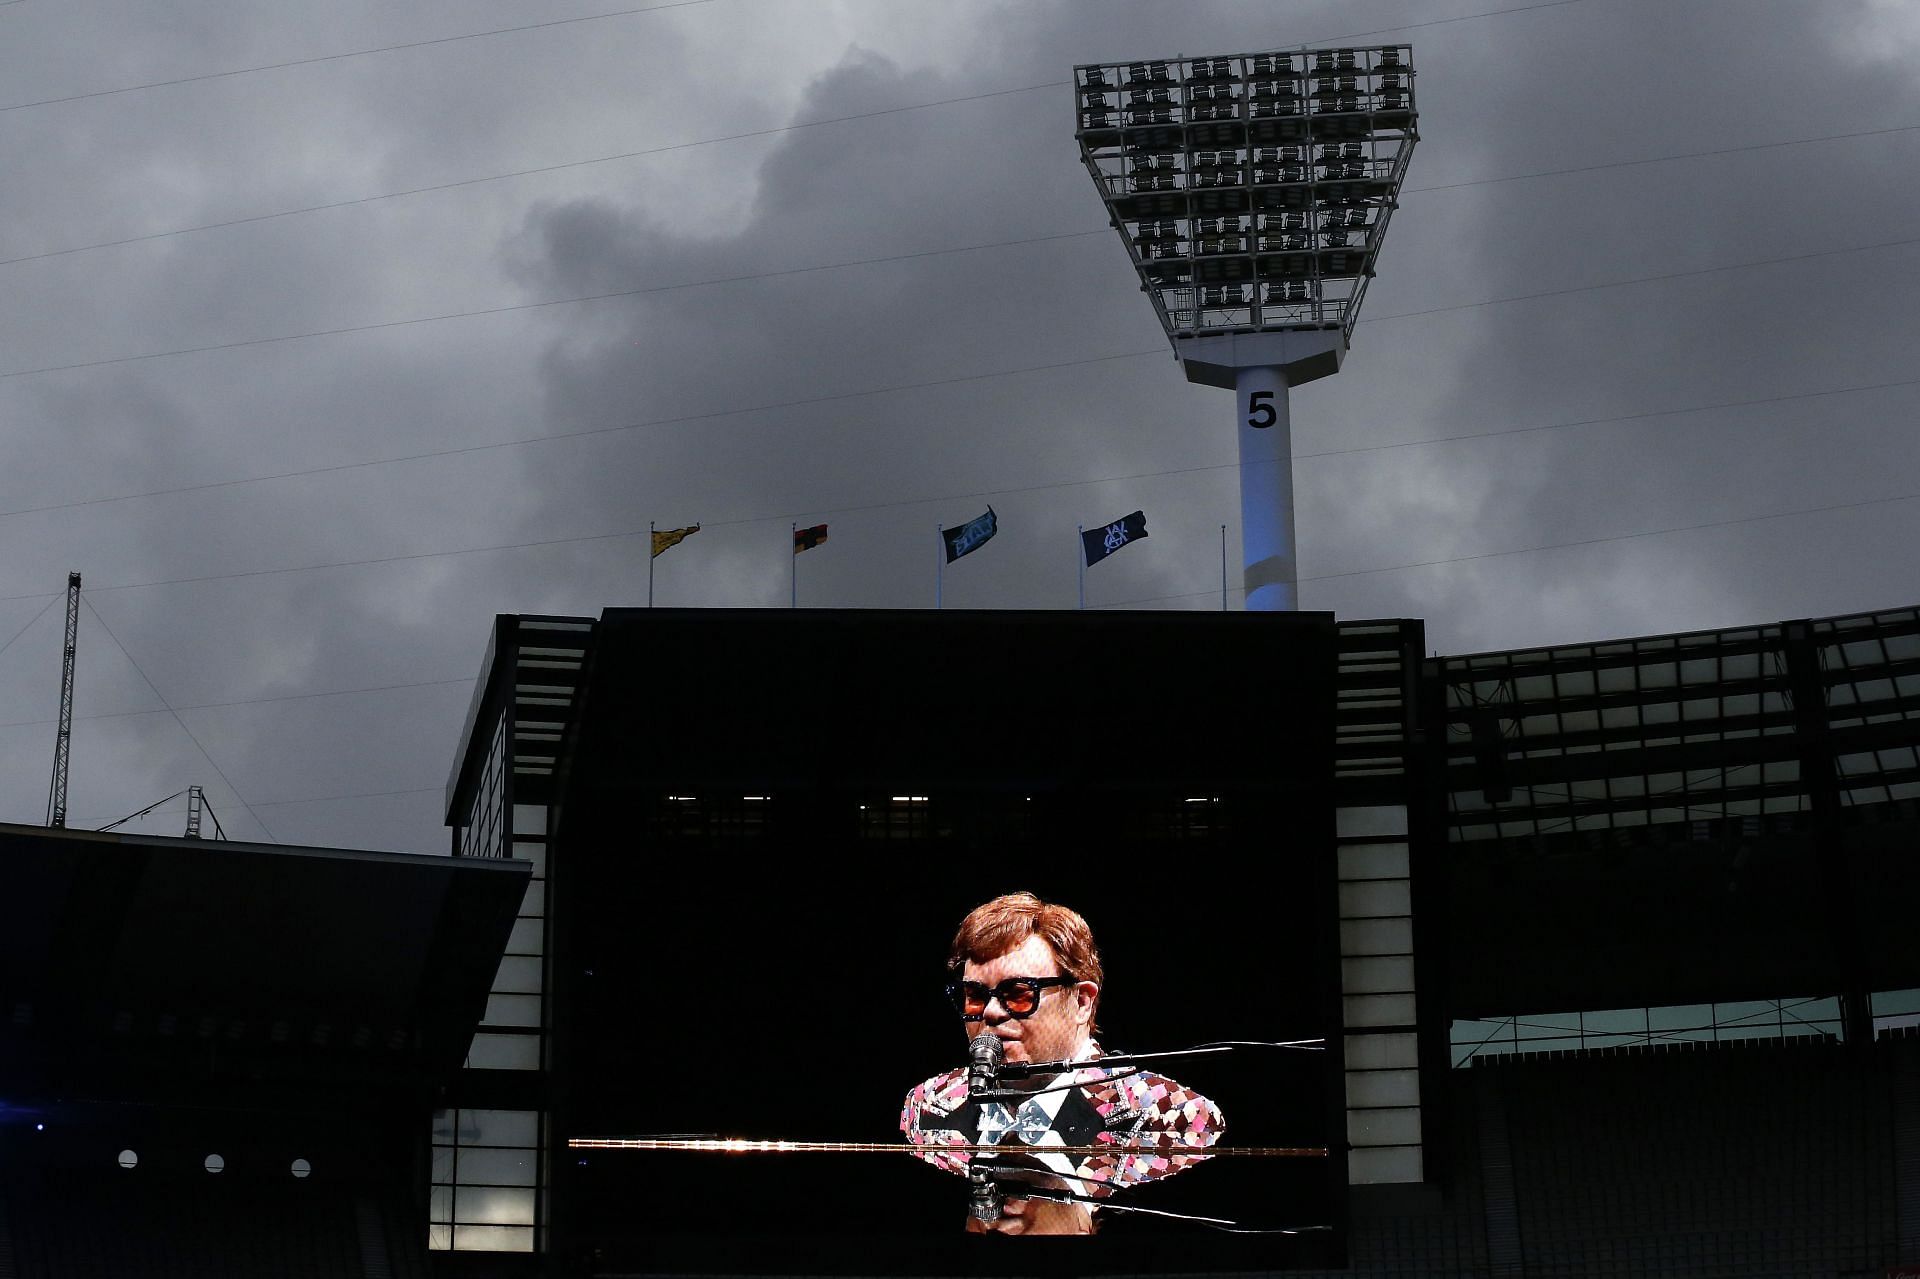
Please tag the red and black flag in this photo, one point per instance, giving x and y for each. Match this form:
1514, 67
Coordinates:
805, 539
1104, 541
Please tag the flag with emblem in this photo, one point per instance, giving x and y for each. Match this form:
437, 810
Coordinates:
970, 536
1105, 540
665, 539
805, 539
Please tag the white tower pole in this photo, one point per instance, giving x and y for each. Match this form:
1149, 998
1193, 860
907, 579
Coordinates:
1266, 490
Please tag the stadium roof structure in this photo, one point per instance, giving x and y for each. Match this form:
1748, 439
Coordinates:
1685, 818
135, 957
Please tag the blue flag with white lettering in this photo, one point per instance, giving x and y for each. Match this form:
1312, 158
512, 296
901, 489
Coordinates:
970, 536
1104, 541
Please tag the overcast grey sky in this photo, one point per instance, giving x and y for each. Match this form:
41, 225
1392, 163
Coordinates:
329, 331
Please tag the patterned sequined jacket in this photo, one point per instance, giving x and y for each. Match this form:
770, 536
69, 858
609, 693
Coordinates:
1157, 1127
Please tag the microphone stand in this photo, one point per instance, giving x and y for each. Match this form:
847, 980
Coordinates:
1028, 1069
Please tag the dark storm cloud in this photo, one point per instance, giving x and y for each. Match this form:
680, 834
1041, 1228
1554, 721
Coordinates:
1031, 376
1782, 329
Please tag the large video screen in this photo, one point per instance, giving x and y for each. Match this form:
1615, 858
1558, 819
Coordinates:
773, 824
810, 1003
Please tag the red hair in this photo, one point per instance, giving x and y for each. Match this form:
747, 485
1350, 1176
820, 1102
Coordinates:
1004, 924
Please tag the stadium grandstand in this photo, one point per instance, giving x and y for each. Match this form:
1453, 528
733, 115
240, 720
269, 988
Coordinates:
1611, 943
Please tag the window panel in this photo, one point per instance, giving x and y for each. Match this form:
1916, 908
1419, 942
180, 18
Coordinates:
1376, 974
518, 974
1615, 1020
1659, 675
1746, 1012
527, 937
1374, 899
1546, 1025
493, 1238
1376, 937
504, 1052
1369, 1011
512, 1010
487, 1167
1575, 683
1387, 1164
493, 1205
499, 1128
1383, 1088
1393, 1051
1616, 679
1398, 1127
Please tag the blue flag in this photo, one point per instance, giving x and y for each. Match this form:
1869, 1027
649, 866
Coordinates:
1102, 542
970, 536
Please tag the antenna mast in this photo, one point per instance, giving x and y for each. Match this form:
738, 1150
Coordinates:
57, 791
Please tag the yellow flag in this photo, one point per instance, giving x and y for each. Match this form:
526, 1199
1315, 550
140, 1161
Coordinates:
666, 538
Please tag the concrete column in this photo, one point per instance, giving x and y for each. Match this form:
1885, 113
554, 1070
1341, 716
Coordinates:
1266, 489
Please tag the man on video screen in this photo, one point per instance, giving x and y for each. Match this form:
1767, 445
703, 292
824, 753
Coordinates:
1025, 977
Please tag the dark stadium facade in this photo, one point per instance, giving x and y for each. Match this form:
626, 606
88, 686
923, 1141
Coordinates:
1613, 942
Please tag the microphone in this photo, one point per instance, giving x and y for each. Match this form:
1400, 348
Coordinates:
985, 1055
984, 1199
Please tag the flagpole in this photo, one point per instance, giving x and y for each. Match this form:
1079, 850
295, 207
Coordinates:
1223, 568
939, 561
793, 571
650, 555
1080, 560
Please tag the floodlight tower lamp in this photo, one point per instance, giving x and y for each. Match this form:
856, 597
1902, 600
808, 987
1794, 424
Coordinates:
1252, 192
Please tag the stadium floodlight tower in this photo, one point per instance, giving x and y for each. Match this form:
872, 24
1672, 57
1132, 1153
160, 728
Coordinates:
1252, 191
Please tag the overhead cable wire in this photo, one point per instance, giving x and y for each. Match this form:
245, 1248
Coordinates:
808, 124
616, 428
1641, 279
597, 17
1661, 159
204, 754
340, 57
1442, 22
29, 626
665, 148
898, 503
247, 701
1752, 402
1552, 546
1621, 537
374, 326
143, 812
617, 534
510, 308
647, 423
365, 794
